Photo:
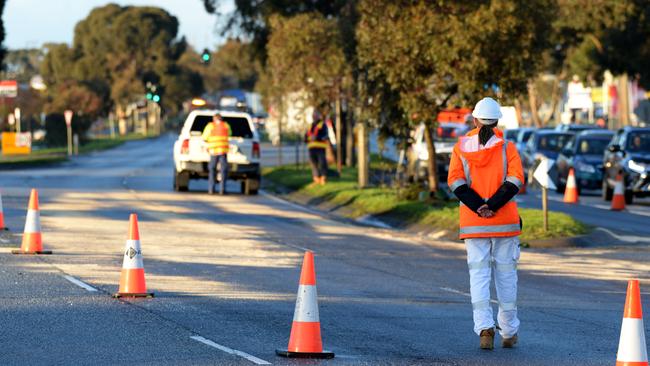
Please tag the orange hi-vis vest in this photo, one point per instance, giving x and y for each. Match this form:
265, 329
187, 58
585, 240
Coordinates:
484, 169
216, 136
316, 138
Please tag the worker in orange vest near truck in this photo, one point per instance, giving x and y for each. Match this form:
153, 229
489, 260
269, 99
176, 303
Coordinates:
216, 135
485, 173
317, 138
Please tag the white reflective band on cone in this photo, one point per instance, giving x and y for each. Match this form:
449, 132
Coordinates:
632, 347
33, 222
132, 255
306, 304
618, 188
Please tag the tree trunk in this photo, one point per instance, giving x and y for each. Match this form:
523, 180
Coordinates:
339, 145
431, 163
520, 118
362, 153
280, 130
349, 138
532, 101
623, 102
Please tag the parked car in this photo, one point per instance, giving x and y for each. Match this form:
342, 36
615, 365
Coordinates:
576, 127
511, 134
446, 136
522, 138
191, 156
584, 153
628, 154
543, 144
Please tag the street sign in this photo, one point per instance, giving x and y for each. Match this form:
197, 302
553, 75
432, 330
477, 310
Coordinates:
8, 88
544, 174
68, 117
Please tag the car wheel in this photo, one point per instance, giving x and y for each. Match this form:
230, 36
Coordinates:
250, 186
629, 197
559, 188
181, 181
607, 192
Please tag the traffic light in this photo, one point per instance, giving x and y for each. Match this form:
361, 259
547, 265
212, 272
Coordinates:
156, 98
205, 56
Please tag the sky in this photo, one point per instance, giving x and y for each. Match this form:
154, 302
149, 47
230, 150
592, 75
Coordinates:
30, 23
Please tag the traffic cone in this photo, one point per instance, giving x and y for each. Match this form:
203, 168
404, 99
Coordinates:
2, 216
571, 191
132, 282
305, 340
618, 200
631, 346
32, 240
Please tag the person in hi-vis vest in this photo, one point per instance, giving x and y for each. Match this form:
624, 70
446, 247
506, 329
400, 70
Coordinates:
216, 135
485, 173
317, 138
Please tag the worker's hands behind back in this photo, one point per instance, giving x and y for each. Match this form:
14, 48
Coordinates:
485, 212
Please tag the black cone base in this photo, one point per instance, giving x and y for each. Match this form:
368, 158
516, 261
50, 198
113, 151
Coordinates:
18, 251
286, 353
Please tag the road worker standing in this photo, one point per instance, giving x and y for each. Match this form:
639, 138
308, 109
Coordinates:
216, 134
485, 173
317, 143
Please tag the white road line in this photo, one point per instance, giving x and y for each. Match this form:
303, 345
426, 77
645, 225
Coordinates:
454, 291
231, 351
80, 283
289, 203
626, 238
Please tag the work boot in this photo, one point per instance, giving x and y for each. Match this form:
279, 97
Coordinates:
509, 342
487, 338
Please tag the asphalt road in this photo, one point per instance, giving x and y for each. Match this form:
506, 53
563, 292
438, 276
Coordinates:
225, 271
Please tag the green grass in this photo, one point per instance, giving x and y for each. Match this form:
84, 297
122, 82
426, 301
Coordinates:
53, 155
386, 204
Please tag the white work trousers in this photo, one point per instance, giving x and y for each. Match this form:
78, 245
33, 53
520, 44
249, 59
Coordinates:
502, 254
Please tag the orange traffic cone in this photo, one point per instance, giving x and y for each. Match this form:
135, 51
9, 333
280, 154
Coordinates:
2, 216
305, 340
618, 200
132, 282
32, 240
571, 191
631, 346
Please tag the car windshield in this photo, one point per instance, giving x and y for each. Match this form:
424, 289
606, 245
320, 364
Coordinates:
238, 125
638, 141
593, 146
525, 135
511, 134
552, 142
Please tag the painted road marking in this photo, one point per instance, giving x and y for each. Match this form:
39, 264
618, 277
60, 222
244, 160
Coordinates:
80, 283
458, 292
231, 351
625, 238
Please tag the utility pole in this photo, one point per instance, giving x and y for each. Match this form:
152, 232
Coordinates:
362, 152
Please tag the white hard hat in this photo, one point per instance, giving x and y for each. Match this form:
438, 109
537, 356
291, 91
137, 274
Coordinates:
487, 108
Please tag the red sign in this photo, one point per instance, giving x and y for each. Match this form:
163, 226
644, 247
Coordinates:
8, 88
68, 117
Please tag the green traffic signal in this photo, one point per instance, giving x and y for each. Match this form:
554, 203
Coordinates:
149, 96
156, 98
205, 56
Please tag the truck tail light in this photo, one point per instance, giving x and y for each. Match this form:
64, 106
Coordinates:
256, 150
185, 147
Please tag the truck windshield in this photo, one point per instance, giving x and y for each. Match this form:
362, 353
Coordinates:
238, 125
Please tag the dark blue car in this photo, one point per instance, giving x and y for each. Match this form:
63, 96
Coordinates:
584, 153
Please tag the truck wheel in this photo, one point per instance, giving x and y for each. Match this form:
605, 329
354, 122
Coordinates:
181, 181
250, 186
607, 192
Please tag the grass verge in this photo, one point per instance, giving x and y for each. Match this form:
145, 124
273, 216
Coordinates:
386, 204
52, 155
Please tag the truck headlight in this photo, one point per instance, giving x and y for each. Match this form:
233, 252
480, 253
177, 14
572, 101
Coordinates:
636, 167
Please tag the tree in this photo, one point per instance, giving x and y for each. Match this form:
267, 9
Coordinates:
2, 31
435, 52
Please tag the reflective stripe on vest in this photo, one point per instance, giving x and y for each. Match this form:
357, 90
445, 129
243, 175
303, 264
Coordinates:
509, 228
218, 139
312, 136
466, 170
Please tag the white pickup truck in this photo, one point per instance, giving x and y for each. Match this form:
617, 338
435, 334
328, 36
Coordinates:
191, 156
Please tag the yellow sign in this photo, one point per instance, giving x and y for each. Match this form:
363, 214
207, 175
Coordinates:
597, 95
16, 143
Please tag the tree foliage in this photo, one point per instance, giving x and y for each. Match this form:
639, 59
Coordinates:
305, 54
2, 31
117, 50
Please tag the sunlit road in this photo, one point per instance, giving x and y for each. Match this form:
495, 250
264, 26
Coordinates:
226, 269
